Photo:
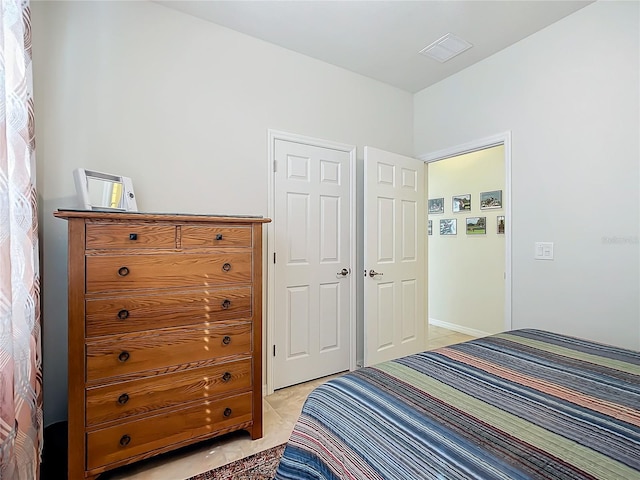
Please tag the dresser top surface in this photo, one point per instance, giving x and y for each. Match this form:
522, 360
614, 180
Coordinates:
181, 217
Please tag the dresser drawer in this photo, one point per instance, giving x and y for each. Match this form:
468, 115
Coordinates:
159, 349
116, 315
215, 236
144, 396
117, 273
131, 235
138, 437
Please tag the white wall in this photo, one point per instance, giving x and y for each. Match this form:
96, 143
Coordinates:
466, 272
570, 96
182, 106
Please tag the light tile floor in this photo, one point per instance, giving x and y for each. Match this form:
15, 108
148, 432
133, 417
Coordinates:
281, 410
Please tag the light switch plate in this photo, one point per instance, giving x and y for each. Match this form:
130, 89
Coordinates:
543, 251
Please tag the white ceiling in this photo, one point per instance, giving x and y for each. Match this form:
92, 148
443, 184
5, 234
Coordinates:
381, 39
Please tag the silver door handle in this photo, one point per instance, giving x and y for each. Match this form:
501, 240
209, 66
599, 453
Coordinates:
373, 273
344, 272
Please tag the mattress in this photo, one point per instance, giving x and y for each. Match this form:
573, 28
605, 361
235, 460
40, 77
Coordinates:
525, 404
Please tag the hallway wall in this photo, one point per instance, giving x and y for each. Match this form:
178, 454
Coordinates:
466, 270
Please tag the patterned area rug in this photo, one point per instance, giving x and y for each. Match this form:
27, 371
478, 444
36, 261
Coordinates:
259, 466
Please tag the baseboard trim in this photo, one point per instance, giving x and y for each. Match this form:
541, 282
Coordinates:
458, 328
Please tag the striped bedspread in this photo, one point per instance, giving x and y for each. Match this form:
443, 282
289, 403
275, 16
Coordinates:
518, 405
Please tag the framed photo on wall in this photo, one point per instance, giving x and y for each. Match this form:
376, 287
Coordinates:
500, 224
448, 226
491, 199
436, 205
461, 203
476, 225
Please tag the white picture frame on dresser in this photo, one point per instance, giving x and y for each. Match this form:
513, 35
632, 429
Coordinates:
104, 191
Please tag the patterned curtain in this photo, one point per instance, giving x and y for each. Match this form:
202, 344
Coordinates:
20, 347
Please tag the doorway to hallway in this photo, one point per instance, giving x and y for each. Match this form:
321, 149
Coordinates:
469, 267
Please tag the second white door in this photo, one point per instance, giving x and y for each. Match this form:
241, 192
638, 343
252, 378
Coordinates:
394, 256
313, 288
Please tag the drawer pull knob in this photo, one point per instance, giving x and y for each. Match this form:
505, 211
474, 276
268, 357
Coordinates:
124, 440
218, 236
122, 399
226, 267
133, 236
226, 304
123, 314
226, 340
123, 271
226, 377
124, 356
227, 412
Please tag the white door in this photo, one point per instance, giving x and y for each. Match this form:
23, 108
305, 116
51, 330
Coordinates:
313, 288
394, 256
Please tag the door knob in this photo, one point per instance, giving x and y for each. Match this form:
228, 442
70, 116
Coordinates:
373, 273
344, 272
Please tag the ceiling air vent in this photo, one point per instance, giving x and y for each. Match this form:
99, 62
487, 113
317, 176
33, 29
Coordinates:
445, 48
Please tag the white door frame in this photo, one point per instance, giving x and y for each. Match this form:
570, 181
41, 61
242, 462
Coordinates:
270, 307
473, 146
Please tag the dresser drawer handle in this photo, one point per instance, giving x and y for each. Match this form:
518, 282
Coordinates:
124, 356
123, 271
133, 236
218, 236
227, 412
123, 314
226, 340
226, 267
226, 304
122, 399
124, 440
226, 377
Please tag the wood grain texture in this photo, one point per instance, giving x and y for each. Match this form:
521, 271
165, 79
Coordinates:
155, 271
134, 352
119, 217
76, 357
134, 235
214, 236
160, 353
134, 313
120, 400
153, 432
256, 428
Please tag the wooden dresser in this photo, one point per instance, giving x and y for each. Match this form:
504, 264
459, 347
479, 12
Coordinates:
165, 333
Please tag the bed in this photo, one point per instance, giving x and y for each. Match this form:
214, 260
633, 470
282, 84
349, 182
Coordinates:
518, 405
